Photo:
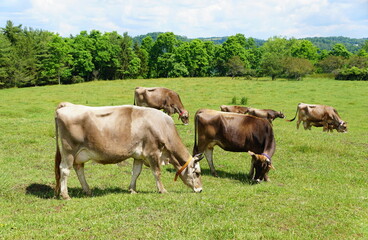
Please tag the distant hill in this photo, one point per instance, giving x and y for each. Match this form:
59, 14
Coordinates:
323, 43
351, 44
154, 36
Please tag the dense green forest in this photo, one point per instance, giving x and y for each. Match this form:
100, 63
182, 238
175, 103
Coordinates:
33, 57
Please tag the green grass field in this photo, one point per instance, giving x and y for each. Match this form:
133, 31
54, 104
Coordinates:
319, 189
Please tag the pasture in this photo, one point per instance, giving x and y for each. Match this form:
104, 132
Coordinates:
319, 189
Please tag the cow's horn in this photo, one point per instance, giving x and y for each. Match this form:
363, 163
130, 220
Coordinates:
271, 166
198, 157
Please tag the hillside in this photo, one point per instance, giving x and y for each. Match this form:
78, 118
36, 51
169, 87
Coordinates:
323, 43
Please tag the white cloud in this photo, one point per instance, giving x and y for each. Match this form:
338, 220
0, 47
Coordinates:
194, 18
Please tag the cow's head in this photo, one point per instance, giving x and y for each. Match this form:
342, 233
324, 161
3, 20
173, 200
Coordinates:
262, 165
342, 127
191, 175
184, 117
281, 115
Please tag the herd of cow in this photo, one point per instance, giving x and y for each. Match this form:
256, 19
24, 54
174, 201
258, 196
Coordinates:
113, 134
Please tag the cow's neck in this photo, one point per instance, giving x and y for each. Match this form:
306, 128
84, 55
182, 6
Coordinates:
179, 109
179, 160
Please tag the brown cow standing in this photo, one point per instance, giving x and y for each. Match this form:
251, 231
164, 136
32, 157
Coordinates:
161, 98
109, 135
319, 116
268, 114
236, 133
234, 109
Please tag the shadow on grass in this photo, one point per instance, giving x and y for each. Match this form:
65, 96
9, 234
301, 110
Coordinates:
46, 192
240, 176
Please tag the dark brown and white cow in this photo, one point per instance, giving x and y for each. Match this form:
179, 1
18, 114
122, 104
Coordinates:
319, 116
236, 133
109, 135
268, 114
233, 108
161, 98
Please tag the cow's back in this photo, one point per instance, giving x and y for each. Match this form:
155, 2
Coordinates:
232, 131
114, 133
154, 97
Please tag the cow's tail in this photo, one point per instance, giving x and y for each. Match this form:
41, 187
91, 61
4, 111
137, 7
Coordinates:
57, 161
134, 97
195, 147
271, 145
296, 113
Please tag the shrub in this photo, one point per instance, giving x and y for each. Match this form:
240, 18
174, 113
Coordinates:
233, 101
352, 73
243, 101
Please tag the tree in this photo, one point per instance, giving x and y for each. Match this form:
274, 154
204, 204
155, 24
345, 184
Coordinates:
235, 46
296, 68
274, 52
358, 61
105, 53
331, 63
143, 56
130, 63
339, 49
178, 70
56, 65
235, 66
165, 43
82, 49
199, 59
304, 49
12, 32
6, 53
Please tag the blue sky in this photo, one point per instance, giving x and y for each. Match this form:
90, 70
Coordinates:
193, 18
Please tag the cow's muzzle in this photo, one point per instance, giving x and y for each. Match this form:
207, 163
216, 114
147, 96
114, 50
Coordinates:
197, 190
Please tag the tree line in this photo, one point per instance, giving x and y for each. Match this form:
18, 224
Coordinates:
33, 57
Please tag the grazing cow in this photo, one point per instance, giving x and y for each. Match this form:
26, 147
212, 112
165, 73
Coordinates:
319, 116
109, 135
235, 109
268, 114
161, 98
236, 133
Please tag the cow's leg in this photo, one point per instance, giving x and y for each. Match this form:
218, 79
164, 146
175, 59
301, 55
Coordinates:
137, 168
306, 125
79, 169
251, 171
297, 124
208, 152
65, 166
266, 178
156, 170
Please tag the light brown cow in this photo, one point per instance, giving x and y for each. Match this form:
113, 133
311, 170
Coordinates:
319, 116
235, 133
161, 98
109, 135
268, 114
234, 109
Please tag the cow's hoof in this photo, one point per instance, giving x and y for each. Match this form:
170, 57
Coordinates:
132, 191
256, 181
66, 198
